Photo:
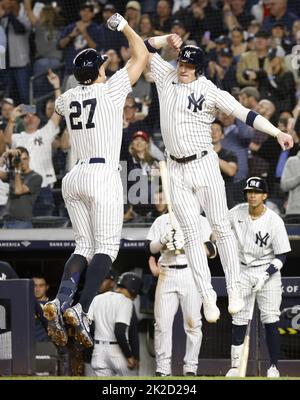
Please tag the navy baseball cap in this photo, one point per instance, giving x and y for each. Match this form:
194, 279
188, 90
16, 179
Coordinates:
177, 22
262, 34
111, 275
222, 40
88, 5
109, 7
226, 52
256, 184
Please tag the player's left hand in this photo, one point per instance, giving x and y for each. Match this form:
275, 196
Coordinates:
177, 241
260, 281
116, 22
131, 363
154, 267
53, 79
285, 140
174, 41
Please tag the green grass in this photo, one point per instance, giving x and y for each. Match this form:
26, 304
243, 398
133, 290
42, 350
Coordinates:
131, 378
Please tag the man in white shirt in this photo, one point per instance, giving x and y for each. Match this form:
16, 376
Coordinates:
38, 142
112, 312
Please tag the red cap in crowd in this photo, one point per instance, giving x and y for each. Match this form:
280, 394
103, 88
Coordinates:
141, 134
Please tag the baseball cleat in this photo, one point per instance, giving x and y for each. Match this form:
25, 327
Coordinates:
210, 309
233, 373
75, 317
56, 327
157, 373
273, 372
189, 374
235, 302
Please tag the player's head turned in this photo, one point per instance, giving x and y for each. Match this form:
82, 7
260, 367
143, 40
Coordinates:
191, 63
131, 282
86, 66
256, 191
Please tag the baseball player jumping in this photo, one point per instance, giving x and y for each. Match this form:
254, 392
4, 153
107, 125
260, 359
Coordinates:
112, 312
188, 106
262, 244
92, 190
176, 286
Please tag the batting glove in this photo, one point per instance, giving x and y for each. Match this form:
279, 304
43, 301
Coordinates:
116, 22
177, 241
260, 281
167, 237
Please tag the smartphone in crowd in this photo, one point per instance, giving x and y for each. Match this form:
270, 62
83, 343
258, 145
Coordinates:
28, 108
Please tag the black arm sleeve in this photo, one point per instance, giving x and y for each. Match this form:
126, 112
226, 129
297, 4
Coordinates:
133, 335
147, 248
120, 333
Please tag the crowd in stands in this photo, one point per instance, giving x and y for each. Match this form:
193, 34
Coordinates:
253, 52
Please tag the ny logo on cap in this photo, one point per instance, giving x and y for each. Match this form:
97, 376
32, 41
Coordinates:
187, 53
87, 64
254, 183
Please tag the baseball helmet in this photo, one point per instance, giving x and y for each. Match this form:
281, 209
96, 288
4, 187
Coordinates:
256, 184
193, 55
86, 65
132, 282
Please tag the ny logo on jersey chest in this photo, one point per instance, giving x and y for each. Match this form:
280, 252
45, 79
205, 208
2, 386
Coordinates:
38, 141
262, 240
193, 102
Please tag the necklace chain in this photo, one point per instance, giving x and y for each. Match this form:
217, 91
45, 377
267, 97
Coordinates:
258, 216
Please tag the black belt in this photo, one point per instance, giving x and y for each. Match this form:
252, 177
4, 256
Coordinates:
185, 160
175, 266
254, 265
95, 161
104, 341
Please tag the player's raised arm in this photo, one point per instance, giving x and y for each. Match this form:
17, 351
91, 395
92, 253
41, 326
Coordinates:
155, 43
227, 103
139, 53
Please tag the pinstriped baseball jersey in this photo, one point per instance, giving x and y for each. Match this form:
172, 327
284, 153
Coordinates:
187, 112
106, 310
176, 287
39, 146
258, 240
193, 108
268, 298
94, 116
161, 226
93, 191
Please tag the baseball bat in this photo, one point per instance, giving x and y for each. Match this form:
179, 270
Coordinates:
245, 350
166, 190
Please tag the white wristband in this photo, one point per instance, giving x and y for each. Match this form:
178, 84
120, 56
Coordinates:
122, 25
277, 263
160, 41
